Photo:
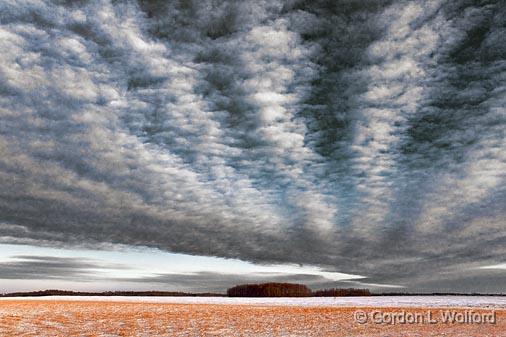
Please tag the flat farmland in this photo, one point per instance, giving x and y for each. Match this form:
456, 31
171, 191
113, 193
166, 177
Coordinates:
246, 317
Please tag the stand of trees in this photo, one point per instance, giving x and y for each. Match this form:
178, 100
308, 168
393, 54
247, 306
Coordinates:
290, 290
269, 290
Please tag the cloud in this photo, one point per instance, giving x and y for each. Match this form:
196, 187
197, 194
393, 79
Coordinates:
362, 136
27, 267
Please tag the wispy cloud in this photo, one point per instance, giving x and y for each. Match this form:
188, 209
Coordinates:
28, 267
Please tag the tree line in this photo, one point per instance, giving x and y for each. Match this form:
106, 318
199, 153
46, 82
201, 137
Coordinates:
335, 292
56, 292
245, 290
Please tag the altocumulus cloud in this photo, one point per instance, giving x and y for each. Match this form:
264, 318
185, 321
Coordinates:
366, 137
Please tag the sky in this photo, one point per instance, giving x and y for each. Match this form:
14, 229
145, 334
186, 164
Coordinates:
194, 145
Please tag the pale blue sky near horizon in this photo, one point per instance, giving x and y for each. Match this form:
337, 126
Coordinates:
120, 266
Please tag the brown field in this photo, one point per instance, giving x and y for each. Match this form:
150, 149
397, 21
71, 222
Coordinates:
78, 318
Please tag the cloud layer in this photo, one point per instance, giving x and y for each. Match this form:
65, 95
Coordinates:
28, 267
366, 137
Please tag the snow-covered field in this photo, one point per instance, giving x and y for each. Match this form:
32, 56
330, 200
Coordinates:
374, 301
253, 317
